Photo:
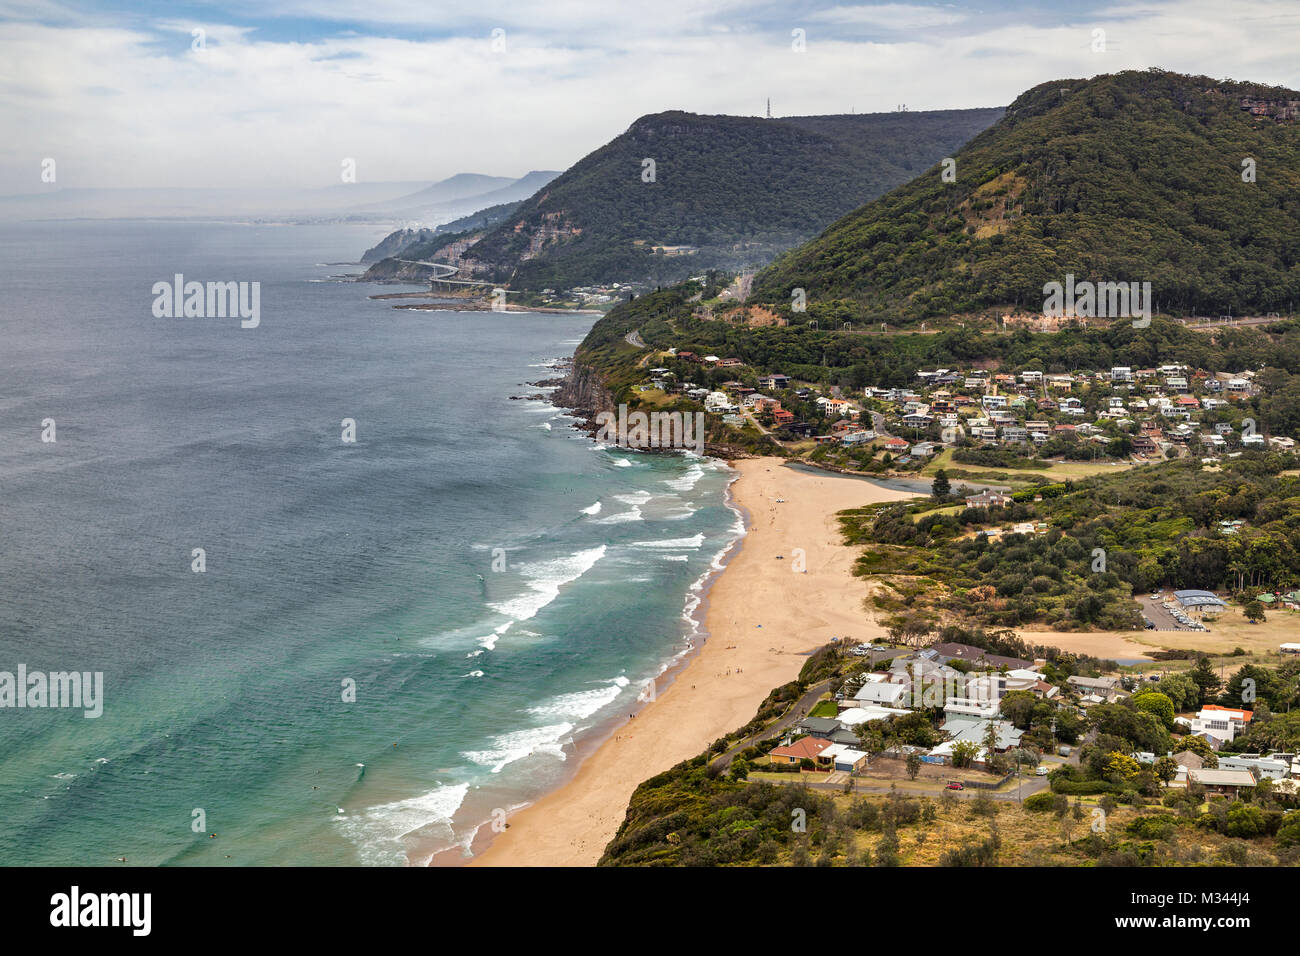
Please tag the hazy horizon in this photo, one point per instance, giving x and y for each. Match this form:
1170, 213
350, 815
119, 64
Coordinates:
198, 95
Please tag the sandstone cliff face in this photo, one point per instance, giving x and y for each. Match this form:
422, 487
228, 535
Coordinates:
393, 243
392, 270
584, 391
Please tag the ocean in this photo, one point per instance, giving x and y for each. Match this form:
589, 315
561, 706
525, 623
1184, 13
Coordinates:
390, 638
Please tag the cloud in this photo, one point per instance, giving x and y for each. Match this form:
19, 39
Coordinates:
279, 102
891, 16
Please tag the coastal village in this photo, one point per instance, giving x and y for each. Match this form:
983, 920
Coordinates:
956, 717
1120, 413
1011, 721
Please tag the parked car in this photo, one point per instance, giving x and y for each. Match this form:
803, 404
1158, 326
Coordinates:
955, 786
1040, 771
1063, 751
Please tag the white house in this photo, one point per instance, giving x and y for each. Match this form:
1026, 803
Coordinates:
882, 695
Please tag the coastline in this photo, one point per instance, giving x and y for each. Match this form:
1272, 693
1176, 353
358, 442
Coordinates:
749, 645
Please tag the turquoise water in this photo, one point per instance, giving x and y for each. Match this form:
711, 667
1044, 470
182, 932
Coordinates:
326, 561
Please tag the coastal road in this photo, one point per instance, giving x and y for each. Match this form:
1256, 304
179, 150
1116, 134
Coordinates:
633, 338
795, 714
451, 270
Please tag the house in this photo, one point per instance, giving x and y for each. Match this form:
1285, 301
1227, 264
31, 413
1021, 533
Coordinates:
1258, 765
783, 417
1228, 782
819, 727
844, 758
1221, 723
1104, 687
924, 449
988, 499
856, 715
806, 748
897, 446
882, 695
972, 730
1187, 760
773, 382
1144, 445
977, 655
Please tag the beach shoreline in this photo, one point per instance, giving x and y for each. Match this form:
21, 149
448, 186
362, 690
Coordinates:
747, 646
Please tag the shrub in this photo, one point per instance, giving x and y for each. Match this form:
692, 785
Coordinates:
1040, 802
1158, 827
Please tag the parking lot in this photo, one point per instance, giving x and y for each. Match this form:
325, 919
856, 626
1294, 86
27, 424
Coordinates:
1166, 619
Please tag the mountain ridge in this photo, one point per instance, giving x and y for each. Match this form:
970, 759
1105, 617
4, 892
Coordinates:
1139, 175
677, 193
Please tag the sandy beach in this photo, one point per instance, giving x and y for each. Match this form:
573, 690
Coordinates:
763, 617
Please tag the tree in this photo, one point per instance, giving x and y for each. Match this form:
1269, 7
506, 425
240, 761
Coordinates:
942, 487
963, 752
1018, 707
1254, 611
1183, 692
990, 741
913, 766
1206, 679
1154, 702
1122, 765
1166, 768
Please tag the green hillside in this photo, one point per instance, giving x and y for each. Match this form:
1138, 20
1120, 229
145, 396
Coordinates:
735, 190
1136, 176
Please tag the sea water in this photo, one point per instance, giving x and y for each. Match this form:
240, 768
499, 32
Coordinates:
314, 650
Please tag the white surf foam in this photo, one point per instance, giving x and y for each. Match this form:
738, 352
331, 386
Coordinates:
381, 833
622, 517
581, 704
686, 481
505, 749
544, 580
634, 498
673, 544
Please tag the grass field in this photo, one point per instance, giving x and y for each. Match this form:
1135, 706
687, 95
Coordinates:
1042, 839
1053, 469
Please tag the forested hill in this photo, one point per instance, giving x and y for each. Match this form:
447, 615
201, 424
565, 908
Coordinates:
1131, 177
735, 190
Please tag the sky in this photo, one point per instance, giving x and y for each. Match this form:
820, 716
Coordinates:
284, 93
